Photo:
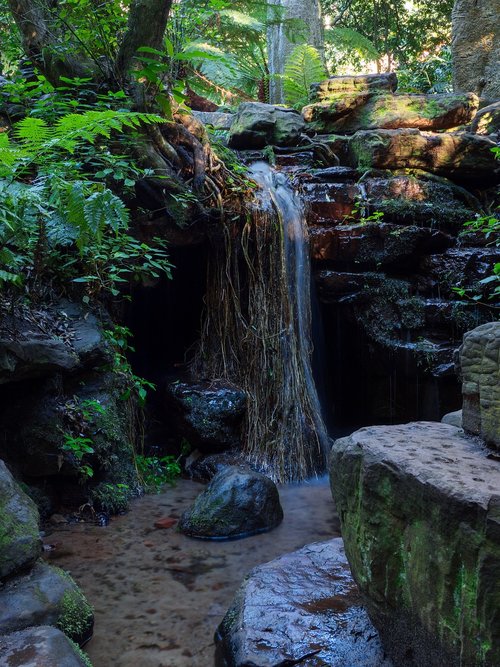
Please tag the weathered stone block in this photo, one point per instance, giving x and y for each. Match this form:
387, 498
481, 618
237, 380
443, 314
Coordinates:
363, 83
350, 113
419, 506
302, 608
480, 363
20, 543
487, 120
460, 155
257, 125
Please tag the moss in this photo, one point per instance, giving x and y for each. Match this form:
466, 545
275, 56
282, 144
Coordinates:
81, 654
76, 616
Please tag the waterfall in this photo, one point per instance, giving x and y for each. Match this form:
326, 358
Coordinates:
257, 329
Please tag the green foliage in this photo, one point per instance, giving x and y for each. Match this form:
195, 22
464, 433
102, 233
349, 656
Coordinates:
58, 221
76, 614
157, 471
429, 74
119, 337
78, 441
303, 68
111, 498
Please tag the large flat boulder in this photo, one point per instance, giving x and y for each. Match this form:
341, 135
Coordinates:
455, 155
419, 506
302, 608
348, 84
20, 543
257, 125
46, 596
40, 647
480, 364
350, 113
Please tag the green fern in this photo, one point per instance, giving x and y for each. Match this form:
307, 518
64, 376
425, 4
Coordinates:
348, 39
303, 68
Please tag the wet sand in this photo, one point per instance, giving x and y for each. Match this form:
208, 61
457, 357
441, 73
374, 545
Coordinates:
158, 595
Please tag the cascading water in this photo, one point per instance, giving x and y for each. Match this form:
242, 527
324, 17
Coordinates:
257, 330
290, 212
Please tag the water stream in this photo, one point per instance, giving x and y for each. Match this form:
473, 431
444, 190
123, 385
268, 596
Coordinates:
159, 595
296, 250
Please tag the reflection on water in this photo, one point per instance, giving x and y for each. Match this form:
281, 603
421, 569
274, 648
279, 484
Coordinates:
159, 595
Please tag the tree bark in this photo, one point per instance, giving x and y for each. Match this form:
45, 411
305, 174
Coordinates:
476, 47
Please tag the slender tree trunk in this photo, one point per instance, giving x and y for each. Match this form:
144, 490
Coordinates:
279, 47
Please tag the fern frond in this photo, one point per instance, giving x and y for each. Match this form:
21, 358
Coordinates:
303, 68
32, 132
350, 39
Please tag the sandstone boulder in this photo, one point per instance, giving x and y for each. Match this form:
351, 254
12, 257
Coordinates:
487, 120
480, 364
457, 156
236, 503
419, 506
257, 125
350, 113
20, 543
453, 418
302, 608
363, 83
217, 119
40, 647
45, 596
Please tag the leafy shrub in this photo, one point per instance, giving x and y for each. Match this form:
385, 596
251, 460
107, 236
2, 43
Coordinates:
303, 67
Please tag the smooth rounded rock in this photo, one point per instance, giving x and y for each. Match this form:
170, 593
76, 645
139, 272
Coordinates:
236, 503
46, 596
302, 608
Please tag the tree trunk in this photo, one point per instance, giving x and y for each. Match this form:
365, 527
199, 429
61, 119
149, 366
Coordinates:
476, 47
279, 47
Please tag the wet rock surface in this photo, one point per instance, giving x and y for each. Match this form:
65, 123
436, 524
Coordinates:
238, 502
159, 594
480, 367
302, 608
419, 506
39, 647
257, 125
203, 467
45, 596
20, 543
208, 415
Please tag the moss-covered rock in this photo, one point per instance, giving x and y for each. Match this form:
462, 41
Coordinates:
420, 511
236, 503
350, 113
46, 596
348, 84
257, 125
20, 543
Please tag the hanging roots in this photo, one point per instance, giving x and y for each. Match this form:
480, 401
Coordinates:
250, 339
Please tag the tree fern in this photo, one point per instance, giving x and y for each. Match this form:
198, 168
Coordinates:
303, 68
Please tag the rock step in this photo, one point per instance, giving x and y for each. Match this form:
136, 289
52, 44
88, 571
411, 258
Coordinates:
302, 608
40, 647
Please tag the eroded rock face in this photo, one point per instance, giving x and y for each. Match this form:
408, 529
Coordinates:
236, 503
46, 596
365, 83
20, 543
461, 155
302, 608
487, 120
480, 364
208, 415
257, 125
420, 512
39, 647
364, 111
